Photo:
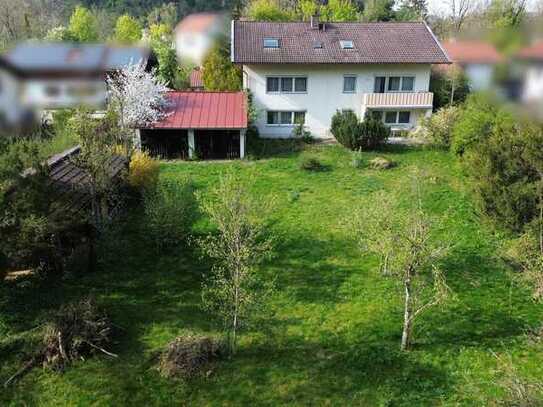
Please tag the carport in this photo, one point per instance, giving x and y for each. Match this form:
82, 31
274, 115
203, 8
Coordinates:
205, 125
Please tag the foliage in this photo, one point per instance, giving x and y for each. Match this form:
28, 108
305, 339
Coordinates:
450, 86
137, 96
300, 132
408, 250
475, 123
59, 34
233, 289
164, 14
379, 10
127, 30
309, 163
189, 355
411, 10
168, 71
219, 73
83, 25
143, 171
353, 134
160, 35
170, 212
340, 11
437, 129
267, 10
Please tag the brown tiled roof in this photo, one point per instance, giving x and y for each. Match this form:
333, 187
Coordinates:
373, 43
472, 52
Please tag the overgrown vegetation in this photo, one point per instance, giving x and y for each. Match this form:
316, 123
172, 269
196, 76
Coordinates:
368, 134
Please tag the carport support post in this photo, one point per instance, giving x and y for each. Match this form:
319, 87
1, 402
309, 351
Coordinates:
192, 146
242, 143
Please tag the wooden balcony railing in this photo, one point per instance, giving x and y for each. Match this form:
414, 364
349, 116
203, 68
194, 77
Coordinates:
399, 99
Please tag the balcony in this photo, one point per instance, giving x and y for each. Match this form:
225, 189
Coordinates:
420, 100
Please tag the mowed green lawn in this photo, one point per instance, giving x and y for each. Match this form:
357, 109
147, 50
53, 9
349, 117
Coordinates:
332, 335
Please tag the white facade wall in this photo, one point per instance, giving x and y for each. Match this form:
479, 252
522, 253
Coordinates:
533, 84
324, 94
480, 76
36, 93
10, 104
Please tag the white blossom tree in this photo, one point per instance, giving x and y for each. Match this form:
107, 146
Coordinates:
138, 97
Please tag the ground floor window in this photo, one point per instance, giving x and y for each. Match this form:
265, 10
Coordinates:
393, 116
285, 118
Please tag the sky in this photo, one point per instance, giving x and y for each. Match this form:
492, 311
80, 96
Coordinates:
443, 6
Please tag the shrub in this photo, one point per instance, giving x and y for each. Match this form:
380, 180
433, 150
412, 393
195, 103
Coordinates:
344, 128
353, 134
188, 356
300, 132
170, 211
311, 164
437, 129
475, 122
143, 171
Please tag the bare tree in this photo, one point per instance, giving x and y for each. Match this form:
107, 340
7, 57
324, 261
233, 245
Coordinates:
410, 252
460, 9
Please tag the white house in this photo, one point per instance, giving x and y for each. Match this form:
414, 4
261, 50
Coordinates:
197, 33
306, 72
532, 61
35, 77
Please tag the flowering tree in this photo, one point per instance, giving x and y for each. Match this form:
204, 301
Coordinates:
138, 97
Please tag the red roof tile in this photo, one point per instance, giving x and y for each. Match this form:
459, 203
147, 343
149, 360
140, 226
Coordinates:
534, 52
404, 42
205, 110
472, 52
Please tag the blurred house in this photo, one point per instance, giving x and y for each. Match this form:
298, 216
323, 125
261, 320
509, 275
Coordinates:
36, 77
531, 59
478, 60
197, 33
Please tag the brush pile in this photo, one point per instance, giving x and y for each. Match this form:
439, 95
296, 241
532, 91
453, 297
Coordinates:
188, 356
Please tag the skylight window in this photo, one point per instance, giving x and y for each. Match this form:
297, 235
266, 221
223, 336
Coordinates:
271, 43
346, 44
317, 44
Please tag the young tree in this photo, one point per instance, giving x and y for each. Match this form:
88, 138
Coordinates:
379, 10
340, 11
83, 25
127, 30
219, 73
268, 10
138, 97
409, 252
410, 10
234, 289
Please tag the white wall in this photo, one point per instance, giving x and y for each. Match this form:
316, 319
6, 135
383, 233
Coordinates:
10, 106
35, 94
324, 92
533, 84
480, 76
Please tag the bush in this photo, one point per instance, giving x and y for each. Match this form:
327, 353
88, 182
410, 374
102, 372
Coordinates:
311, 164
170, 211
353, 134
437, 129
475, 122
344, 128
300, 132
143, 171
188, 356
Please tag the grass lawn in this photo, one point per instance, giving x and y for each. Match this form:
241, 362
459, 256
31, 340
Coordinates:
334, 334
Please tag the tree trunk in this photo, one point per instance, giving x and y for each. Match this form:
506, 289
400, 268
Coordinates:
407, 317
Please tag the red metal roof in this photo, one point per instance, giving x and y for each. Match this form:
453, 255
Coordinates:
472, 52
205, 110
533, 52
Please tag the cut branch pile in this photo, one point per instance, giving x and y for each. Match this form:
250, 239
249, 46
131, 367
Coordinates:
188, 356
77, 331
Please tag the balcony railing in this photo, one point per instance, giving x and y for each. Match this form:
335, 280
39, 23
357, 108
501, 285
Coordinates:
399, 99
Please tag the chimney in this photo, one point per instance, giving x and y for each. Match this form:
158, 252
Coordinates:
315, 21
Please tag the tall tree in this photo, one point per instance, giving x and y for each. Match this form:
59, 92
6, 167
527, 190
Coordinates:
83, 25
219, 72
127, 30
460, 10
411, 10
379, 10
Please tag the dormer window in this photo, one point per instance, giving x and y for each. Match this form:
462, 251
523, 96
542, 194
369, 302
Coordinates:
271, 43
346, 44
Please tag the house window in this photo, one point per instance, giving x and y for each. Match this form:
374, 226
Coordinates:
394, 117
349, 84
379, 86
408, 83
272, 85
286, 84
271, 43
346, 44
394, 83
285, 118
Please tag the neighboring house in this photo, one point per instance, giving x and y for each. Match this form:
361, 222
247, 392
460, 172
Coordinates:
305, 72
532, 62
37, 77
477, 59
207, 125
196, 80
197, 33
